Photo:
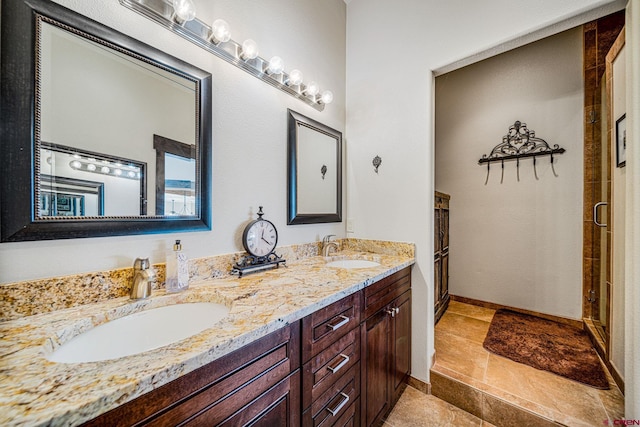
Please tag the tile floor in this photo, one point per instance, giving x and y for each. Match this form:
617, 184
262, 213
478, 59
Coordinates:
490, 387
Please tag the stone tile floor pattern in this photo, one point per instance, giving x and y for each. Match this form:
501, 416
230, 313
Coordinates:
416, 409
459, 353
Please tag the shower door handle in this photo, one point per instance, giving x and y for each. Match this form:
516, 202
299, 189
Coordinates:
595, 213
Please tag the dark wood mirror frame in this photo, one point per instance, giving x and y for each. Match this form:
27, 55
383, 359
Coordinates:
293, 214
17, 130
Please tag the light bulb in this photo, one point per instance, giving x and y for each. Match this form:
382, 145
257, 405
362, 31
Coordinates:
326, 97
220, 31
118, 172
312, 89
185, 10
249, 49
295, 77
91, 167
131, 174
276, 65
76, 164
105, 169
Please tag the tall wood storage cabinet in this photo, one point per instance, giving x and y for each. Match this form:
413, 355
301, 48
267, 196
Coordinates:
441, 256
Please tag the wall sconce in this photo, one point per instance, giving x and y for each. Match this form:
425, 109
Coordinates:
179, 16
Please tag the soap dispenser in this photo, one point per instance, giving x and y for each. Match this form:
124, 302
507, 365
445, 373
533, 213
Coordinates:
177, 270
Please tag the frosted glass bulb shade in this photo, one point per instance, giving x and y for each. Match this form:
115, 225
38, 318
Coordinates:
326, 97
185, 10
295, 77
220, 31
276, 65
249, 49
313, 88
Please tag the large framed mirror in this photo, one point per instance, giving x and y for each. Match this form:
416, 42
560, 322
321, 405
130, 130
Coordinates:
82, 107
314, 171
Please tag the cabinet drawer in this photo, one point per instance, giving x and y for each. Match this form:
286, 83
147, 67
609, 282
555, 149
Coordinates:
324, 369
386, 290
351, 417
326, 325
331, 405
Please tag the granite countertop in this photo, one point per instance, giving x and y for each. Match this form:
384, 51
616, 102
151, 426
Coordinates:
35, 391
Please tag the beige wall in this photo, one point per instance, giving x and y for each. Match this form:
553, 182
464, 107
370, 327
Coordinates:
516, 243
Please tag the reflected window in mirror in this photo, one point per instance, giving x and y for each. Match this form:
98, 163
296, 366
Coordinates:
175, 177
86, 88
314, 171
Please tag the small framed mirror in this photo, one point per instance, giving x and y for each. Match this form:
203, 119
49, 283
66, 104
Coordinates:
314, 171
101, 134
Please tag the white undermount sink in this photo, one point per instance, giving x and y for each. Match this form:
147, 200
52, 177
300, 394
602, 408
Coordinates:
140, 332
352, 263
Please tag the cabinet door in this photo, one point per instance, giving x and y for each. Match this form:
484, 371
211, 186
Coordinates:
444, 279
437, 239
278, 406
375, 367
444, 224
401, 345
437, 281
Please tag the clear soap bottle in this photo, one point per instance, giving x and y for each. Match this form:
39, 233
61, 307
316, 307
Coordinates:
177, 270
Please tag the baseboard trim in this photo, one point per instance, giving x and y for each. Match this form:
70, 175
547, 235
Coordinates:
565, 320
419, 385
616, 376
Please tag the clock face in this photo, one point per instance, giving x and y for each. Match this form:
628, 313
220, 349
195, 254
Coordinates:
260, 238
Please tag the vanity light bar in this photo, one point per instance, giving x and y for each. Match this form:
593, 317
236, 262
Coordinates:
106, 168
179, 17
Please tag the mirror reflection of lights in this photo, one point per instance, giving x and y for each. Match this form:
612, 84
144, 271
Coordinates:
100, 166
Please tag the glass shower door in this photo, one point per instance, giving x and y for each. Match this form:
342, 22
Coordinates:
600, 295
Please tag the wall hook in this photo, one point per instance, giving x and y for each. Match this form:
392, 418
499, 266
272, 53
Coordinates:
323, 170
377, 161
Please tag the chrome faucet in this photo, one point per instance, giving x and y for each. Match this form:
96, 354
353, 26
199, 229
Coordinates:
327, 244
141, 279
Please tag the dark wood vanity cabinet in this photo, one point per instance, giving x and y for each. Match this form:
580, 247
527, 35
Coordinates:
386, 345
441, 254
343, 365
257, 385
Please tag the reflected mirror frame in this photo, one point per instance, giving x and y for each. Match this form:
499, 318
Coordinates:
293, 217
17, 130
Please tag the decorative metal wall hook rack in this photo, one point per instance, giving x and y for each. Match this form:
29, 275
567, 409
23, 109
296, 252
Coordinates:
518, 143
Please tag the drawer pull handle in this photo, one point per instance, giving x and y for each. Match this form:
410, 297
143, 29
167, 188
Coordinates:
344, 361
342, 322
335, 410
